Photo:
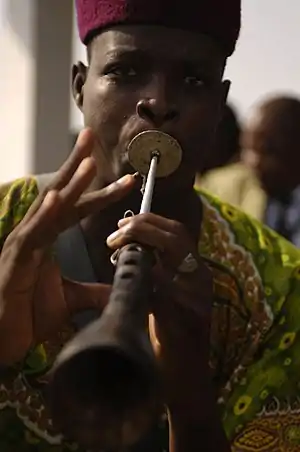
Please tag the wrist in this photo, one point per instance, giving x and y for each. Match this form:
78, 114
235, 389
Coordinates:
194, 431
192, 391
193, 403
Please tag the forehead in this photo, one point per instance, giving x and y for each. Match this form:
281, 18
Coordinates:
167, 44
270, 130
268, 120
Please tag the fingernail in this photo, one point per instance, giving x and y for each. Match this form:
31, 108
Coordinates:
125, 180
112, 237
123, 221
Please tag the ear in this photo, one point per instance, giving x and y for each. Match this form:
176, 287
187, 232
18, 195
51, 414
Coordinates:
226, 87
223, 97
79, 74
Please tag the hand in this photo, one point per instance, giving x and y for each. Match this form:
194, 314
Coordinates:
180, 327
35, 301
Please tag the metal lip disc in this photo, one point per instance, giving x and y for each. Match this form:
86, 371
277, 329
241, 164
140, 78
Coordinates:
143, 145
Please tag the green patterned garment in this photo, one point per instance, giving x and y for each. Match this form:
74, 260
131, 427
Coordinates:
254, 339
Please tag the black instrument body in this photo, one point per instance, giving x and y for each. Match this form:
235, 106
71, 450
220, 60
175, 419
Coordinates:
105, 389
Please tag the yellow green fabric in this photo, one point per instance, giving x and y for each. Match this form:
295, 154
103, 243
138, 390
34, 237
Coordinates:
254, 340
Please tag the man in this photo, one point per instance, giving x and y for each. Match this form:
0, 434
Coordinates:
266, 183
225, 332
272, 145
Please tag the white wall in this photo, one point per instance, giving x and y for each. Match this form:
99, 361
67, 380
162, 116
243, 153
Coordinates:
79, 54
268, 54
16, 87
267, 59
35, 56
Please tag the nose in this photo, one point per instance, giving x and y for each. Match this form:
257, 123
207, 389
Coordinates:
155, 107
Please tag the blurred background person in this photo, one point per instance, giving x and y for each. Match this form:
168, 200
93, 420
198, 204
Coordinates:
266, 182
271, 146
233, 181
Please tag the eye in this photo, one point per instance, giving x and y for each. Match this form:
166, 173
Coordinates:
195, 81
121, 71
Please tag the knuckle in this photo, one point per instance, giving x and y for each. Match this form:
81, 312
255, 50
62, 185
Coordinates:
130, 232
15, 246
178, 228
43, 194
137, 220
142, 217
171, 241
21, 240
109, 193
15, 236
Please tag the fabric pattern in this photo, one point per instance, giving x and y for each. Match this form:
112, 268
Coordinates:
254, 338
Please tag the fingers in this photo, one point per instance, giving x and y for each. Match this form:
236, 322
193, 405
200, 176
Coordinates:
144, 233
79, 182
63, 204
83, 149
98, 200
81, 152
59, 209
30, 232
41, 225
165, 224
167, 236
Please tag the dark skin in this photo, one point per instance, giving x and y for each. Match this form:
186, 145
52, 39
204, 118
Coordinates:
136, 73
139, 78
272, 146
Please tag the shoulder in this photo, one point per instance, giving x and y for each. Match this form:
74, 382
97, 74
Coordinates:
264, 265
15, 199
258, 256
260, 326
230, 183
236, 170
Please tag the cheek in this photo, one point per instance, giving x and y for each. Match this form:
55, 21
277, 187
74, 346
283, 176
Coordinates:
105, 111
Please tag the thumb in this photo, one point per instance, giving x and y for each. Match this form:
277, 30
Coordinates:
81, 296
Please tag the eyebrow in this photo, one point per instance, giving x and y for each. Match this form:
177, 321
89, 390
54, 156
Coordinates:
144, 54
123, 52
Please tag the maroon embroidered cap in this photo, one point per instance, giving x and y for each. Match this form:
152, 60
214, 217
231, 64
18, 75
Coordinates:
220, 19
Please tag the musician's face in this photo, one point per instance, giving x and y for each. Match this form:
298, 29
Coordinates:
146, 77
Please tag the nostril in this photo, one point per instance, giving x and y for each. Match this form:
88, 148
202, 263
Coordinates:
145, 112
156, 114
